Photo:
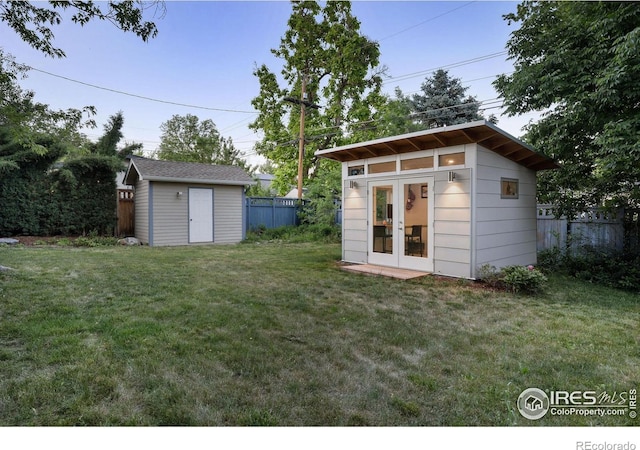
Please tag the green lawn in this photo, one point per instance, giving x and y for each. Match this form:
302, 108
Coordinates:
277, 334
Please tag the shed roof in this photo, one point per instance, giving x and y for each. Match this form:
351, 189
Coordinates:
185, 172
481, 132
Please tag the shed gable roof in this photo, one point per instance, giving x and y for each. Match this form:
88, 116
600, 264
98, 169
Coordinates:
184, 172
481, 132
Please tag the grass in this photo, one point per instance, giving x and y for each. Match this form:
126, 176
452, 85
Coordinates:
275, 334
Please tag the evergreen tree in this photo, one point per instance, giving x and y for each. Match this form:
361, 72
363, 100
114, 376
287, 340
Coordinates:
443, 102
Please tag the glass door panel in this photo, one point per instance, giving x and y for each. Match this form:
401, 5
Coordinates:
383, 238
382, 218
416, 216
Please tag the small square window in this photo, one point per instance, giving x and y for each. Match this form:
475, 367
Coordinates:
509, 188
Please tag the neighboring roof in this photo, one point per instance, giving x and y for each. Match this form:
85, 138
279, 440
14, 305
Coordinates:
481, 132
265, 177
184, 172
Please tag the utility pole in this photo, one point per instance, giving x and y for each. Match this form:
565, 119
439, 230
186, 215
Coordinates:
304, 103
303, 98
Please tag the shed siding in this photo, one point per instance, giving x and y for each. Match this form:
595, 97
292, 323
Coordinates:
354, 223
227, 214
452, 224
141, 216
505, 229
170, 214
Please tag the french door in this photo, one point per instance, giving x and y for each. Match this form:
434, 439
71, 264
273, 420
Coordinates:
400, 217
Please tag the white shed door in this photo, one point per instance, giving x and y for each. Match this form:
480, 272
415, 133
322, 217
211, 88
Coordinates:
200, 215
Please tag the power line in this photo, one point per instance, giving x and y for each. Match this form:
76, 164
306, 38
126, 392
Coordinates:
151, 99
425, 21
490, 101
448, 66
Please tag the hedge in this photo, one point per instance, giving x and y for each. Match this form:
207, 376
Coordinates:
42, 198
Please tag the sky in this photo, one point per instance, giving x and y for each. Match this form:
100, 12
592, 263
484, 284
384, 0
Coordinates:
203, 58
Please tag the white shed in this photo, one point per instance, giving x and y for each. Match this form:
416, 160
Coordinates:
445, 200
179, 203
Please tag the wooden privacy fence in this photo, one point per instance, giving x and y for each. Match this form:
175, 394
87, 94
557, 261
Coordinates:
612, 231
125, 211
271, 212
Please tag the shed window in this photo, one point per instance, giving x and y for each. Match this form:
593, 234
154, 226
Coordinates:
452, 159
356, 170
509, 188
417, 163
382, 167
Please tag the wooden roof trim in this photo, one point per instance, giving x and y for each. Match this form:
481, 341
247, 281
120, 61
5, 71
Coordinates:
440, 140
391, 149
482, 133
412, 144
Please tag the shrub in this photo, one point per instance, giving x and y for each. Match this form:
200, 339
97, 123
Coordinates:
524, 279
43, 197
521, 279
291, 233
550, 259
599, 266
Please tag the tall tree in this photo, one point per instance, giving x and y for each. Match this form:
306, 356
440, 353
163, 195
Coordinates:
443, 102
396, 116
107, 144
186, 138
34, 22
587, 84
24, 119
324, 47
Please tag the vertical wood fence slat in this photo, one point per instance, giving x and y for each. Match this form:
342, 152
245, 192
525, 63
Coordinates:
125, 211
611, 231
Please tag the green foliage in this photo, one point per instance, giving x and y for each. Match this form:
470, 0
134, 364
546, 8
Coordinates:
41, 195
25, 119
34, 22
443, 102
71, 200
598, 266
587, 84
323, 192
295, 234
395, 116
523, 279
257, 190
94, 240
518, 279
187, 139
323, 45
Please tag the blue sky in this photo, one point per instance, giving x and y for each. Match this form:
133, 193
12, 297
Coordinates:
205, 53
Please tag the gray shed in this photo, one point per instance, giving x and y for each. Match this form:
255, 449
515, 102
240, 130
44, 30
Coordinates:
178, 203
445, 200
